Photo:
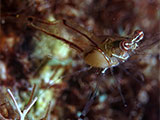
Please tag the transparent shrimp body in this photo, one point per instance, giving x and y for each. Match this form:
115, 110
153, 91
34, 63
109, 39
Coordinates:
96, 53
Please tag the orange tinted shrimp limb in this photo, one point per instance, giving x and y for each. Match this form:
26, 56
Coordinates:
31, 19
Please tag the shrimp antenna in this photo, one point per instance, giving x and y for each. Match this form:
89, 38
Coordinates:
133, 76
91, 100
119, 87
89, 103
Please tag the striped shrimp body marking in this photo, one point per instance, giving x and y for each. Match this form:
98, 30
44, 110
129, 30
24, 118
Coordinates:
113, 50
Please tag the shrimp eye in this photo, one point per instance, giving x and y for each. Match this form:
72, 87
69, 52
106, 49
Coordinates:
138, 35
124, 45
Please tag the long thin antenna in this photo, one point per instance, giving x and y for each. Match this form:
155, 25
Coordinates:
119, 87
89, 103
132, 75
92, 98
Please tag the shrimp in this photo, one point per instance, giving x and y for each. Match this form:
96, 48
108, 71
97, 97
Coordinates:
100, 53
106, 53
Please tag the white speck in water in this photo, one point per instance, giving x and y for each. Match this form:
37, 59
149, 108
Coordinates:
2, 21
2, 71
79, 114
143, 97
102, 98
